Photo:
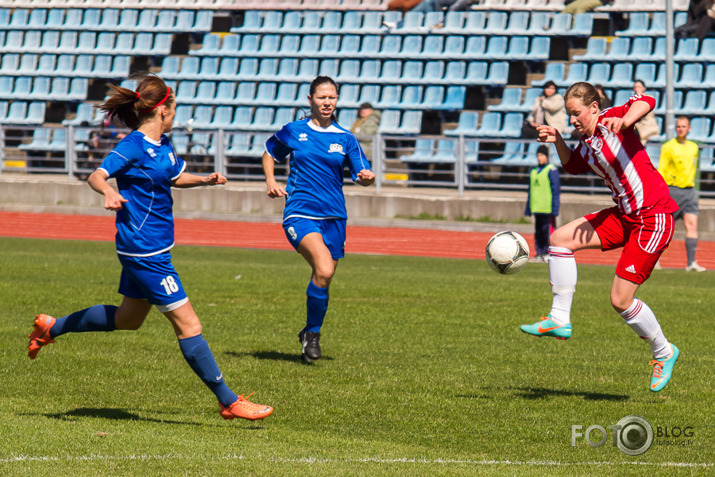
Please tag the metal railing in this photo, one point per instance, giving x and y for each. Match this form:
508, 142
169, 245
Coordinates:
461, 163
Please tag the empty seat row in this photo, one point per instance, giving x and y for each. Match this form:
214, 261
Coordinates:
42, 88
451, 23
375, 46
30, 64
345, 71
47, 139
155, 4
493, 124
650, 24
641, 6
22, 113
105, 43
647, 49
93, 19
622, 75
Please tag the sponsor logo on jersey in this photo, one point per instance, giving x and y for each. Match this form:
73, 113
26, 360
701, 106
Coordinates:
151, 152
302, 137
631, 269
173, 159
336, 148
291, 232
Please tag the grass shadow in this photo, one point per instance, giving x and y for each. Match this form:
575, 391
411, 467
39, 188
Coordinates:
543, 393
122, 415
272, 355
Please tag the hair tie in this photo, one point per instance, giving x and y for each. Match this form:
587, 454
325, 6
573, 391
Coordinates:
137, 92
168, 91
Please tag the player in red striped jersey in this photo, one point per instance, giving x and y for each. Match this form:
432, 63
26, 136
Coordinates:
641, 222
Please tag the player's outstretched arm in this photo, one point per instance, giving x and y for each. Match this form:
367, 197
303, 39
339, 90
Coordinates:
113, 200
635, 113
551, 134
365, 178
186, 180
273, 189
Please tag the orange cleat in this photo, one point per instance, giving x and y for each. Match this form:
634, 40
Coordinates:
245, 409
40, 336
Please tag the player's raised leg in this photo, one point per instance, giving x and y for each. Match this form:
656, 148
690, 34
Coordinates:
197, 353
576, 235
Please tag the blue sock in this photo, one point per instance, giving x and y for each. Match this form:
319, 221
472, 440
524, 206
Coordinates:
95, 318
317, 304
197, 353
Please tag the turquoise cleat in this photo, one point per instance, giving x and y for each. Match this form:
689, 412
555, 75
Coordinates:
548, 327
663, 370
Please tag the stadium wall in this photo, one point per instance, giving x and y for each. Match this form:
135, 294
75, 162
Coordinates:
394, 206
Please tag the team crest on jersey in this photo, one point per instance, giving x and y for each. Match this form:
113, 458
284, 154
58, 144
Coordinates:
336, 148
302, 137
597, 143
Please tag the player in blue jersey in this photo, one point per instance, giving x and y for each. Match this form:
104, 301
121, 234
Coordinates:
145, 167
314, 217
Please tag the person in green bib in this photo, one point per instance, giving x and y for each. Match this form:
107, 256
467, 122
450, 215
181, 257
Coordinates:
543, 202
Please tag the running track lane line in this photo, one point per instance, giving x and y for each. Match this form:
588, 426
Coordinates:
259, 235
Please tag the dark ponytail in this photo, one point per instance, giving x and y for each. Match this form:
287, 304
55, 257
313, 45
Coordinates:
131, 108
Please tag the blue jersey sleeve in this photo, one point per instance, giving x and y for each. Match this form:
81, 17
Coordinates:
121, 159
355, 157
178, 164
279, 145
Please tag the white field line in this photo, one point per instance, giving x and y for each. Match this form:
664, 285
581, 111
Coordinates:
376, 460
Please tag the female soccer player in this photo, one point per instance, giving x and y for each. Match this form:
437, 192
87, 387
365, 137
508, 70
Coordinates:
314, 216
145, 167
641, 222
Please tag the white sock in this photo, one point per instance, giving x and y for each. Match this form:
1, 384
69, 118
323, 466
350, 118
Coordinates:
563, 277
641, 319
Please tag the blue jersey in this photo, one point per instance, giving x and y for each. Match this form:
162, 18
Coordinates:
317, 158
144, 170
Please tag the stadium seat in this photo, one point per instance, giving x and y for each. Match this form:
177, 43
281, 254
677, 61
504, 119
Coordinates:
622, 76
498, 73
308, 69
454, 97
455, 72
329, 68
467, 125
496, 23
599, 73
596, 50
423, 151
433, 97
267, 70
513, 154
490, 125
496, 48
687, 49
510, 100
369, 46
349, 46
511, 125
369, 71
694, 103
242, 118
554, 72
266, 93
228, 69
637, 25
433, 47
247, 69
286, 95
699, 129
391, 71
433, 73
691, 77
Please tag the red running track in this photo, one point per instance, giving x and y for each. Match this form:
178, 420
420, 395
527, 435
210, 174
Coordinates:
361, 239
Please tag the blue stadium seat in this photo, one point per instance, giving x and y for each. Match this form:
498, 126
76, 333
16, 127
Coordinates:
433, 47
186, 92
454, 47
390, 47
349, 72
78, 89
699, 129
511, 125
446, 151
266, 93
433, 73
228, 69
582, 25
230, 46
329, 46
249, 45
329, 68
510, 100
622, 76
687, 49
247, 69
206, 92
287, 69
347, 116
286, 95
369, 46
455, 72
308, 69
282, 117
311, 22
496, 23
423, 152
496, 48
369, 71
28, 64
391, 71
498, 73
225, 92
290, 45
349, 95
694, 103
596, 50
637, 25
691, 77
209, 68
490, 125
242, 118
433, 97
640, 48
309, 46
222, 117
411, 47
475, 47
560, 25
454, 97
262, 119
369, 93
146, 20
352, 22
599, 73
40, 140
553, 72
709, 78
411, 97
577, 72
10, 64
268, 69
513, 154
22, 87
467, 125
453, 23
239, 144
349, 46
477, 72
210, 45
658, 51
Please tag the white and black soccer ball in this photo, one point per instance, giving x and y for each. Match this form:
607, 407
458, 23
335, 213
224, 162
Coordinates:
507, 252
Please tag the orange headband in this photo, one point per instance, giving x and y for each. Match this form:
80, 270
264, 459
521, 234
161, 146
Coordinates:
168, 91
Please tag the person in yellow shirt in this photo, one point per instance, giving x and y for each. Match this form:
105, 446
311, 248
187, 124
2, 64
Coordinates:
678, 165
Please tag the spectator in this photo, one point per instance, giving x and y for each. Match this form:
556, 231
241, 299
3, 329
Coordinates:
647, 127
365, 127
548, 109
543, 202
679, 165
701, 19
607, 103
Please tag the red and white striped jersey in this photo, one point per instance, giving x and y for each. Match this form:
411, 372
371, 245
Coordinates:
621, 160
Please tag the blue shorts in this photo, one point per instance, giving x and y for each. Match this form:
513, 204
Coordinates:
153, 279
332, 230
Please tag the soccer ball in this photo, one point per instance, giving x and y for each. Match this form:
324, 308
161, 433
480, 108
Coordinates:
507, 252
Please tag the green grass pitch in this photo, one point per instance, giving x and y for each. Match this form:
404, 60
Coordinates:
425, 371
